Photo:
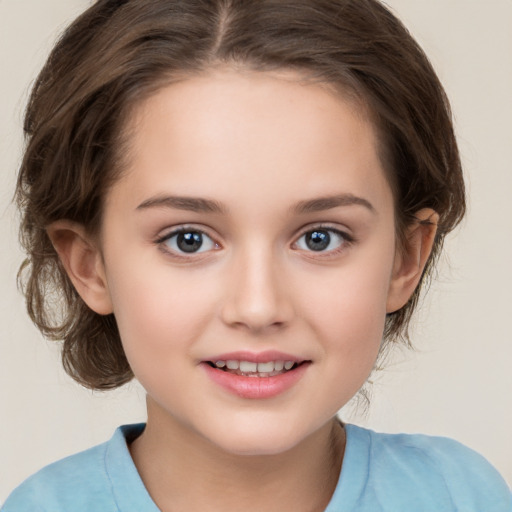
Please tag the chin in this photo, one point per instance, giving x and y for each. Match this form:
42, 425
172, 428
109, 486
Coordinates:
259, 440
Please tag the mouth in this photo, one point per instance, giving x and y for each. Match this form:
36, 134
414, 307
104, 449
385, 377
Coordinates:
257, 376
253, 369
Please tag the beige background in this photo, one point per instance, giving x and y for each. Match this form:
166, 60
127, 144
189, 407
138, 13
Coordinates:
458, 383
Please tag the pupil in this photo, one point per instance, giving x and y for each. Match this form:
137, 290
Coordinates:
190, 242
318, 240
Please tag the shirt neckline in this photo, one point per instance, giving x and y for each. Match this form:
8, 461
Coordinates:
131, 495
127, 487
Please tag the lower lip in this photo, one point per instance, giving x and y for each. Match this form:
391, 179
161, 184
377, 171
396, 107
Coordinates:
256, 387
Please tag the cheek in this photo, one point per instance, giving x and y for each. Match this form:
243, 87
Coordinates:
350, 322
351, 300
347, 310
159, 315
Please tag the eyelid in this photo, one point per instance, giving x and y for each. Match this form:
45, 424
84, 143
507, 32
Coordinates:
184, 228
326, 226
348, 239
174, 230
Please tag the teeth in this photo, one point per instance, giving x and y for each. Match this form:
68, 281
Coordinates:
251, 369
266, 367
247, 367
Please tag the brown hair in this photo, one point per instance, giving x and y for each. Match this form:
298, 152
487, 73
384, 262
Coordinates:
118, 52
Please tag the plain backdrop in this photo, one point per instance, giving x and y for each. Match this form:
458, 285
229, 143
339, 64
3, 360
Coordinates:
458, 383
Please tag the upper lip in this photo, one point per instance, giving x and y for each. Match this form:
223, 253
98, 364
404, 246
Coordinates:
256, 357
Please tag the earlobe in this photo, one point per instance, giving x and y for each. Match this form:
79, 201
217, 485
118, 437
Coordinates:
410, 260
83, 263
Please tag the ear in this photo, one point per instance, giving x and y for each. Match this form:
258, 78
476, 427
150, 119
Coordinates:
83, 263
410, 260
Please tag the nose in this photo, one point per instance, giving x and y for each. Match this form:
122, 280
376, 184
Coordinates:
256, 297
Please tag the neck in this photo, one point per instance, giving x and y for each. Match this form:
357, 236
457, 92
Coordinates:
183, 471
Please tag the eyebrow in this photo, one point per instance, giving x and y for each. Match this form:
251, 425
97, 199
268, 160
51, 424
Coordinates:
202, 205
191, 204
326, 203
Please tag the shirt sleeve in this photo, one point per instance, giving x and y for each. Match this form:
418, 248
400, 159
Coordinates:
472, 482
75, 484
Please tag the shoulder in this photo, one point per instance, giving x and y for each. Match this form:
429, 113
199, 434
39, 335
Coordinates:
460, 478
62, 485
81, 482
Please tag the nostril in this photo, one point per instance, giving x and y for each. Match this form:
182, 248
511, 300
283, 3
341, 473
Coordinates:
256, 300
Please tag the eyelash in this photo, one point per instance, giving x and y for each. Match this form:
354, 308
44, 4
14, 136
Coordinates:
345, 242
162, 242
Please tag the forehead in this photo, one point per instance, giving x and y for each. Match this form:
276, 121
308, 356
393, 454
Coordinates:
230, 132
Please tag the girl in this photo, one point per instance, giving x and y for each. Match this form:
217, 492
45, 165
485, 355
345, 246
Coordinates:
237, 203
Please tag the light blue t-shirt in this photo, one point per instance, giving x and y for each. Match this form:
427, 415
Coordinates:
381, 472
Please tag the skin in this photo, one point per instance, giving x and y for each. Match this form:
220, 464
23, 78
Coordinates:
259, 145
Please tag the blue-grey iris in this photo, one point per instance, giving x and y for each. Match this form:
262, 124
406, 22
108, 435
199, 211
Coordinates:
318, 240
189, 241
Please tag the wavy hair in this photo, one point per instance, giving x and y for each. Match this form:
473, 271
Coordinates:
117, 53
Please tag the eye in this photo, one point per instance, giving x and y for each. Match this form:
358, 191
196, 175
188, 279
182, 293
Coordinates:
322, 240
188, 241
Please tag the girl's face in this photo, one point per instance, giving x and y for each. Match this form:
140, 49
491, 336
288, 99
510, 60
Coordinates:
254, 228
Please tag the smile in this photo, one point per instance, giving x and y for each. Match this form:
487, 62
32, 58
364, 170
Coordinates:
256, 376
253, 369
